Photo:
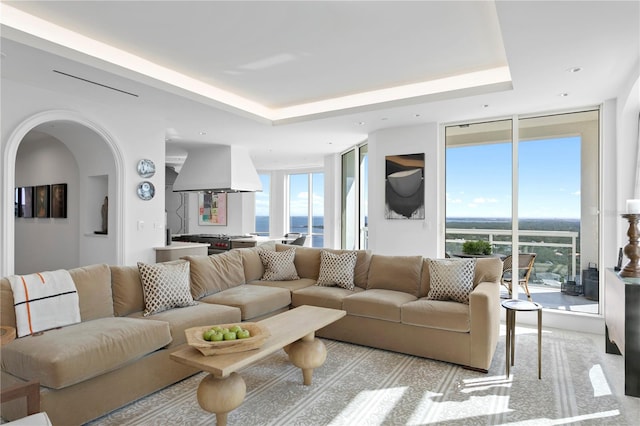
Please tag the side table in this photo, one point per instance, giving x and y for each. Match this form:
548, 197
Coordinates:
7, 334
512, 306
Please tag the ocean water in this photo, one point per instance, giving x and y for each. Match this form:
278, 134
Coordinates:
298, 224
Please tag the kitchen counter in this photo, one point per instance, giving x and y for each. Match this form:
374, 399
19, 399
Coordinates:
177, 249
252, 241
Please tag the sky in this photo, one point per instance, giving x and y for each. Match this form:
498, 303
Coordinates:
479, 182
479, 179
299, 195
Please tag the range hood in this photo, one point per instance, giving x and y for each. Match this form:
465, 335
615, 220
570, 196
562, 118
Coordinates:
217, 168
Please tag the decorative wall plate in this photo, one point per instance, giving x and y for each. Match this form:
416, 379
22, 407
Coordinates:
146, 190
146, 168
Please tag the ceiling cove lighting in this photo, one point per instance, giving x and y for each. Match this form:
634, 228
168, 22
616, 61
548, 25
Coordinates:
45, 30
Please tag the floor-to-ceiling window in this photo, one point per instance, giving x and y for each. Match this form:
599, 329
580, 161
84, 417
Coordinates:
306, 206
262, 206
355, 196
539, 195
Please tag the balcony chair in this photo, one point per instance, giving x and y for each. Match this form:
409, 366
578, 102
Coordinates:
525, 267
299, 241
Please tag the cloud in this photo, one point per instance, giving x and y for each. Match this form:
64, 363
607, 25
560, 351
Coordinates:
453, 200
482, 200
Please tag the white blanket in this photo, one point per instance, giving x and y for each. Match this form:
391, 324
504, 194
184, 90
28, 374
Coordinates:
44, 300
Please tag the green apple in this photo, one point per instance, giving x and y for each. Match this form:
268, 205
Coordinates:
207, 335
235, 328
230, 335
216, 328
217, 337
243, 334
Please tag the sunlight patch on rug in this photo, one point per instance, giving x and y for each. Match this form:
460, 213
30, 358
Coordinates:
364, 386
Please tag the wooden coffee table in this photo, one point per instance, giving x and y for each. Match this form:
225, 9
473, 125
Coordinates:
224, 389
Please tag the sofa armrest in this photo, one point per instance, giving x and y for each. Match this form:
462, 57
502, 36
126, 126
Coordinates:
484, 316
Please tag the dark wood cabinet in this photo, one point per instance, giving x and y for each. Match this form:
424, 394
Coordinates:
622, 326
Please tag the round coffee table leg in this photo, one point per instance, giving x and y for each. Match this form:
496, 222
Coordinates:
307, 354
221, 395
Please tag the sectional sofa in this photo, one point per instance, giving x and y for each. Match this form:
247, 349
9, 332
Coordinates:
119, 351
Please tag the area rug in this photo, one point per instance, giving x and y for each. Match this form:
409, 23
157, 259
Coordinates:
364, 386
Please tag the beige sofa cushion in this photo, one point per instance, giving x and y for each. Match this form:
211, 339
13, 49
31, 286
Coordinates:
253, 300
62, 357
193, 316
307, 260
253, 268
326, 297
127, 290
290, 285
377, 303
399, 273
488, 269
211, 274
94, 293
440, 314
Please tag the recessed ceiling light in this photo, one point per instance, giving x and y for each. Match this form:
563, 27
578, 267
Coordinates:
563, 95
485, 105
383, 119
417, 115
203, 133
575, 69
360, 123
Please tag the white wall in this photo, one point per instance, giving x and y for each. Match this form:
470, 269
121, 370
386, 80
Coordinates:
332, 201
47, 243
133, 135
403, 237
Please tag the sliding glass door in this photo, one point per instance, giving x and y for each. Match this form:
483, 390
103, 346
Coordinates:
355, 195
538, 195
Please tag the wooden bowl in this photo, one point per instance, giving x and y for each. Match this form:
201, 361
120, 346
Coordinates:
258, 332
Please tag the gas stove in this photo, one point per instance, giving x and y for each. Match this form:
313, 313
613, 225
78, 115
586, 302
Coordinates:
218, 243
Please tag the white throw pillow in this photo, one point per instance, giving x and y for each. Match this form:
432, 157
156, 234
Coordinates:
165, 286
451, 279
337, 269
44, 301
278, 266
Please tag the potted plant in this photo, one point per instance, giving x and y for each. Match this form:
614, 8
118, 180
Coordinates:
478, 247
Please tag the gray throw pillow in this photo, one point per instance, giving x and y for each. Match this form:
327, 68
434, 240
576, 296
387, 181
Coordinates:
337, 269
451, 279
278, 266
165, 286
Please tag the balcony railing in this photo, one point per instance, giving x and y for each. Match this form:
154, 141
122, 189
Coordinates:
491, 234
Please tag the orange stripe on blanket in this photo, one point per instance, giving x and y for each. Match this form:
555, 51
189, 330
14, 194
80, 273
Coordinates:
41, 277
26, 295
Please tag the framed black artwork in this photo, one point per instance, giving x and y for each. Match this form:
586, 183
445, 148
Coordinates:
24, 200
404, 186
42, 201
59, 200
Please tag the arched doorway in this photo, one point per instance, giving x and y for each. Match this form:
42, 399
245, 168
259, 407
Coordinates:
100, 164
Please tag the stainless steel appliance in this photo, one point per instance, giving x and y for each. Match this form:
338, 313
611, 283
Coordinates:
218, 243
